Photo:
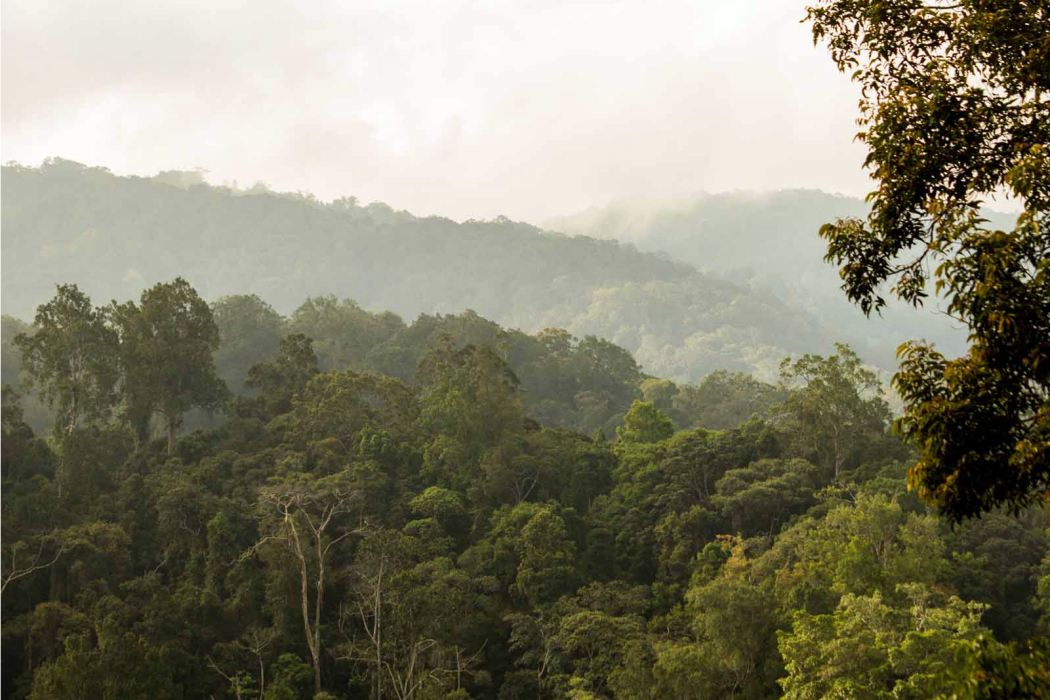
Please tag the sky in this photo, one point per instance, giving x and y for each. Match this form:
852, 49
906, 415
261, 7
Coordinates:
527, 109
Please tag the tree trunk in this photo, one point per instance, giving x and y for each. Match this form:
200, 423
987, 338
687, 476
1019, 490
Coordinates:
319, 597
317, 673
315, 648
72, 424
311, 643
379, 635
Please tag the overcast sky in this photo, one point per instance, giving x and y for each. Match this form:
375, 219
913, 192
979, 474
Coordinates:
465, 109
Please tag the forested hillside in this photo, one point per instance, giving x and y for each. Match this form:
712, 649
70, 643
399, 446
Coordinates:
399, 511
258, 446
115, 236
584, 384
769, 241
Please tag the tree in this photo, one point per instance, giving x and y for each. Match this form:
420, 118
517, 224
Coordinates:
760, 498
291, 678
611, 369
469, 404
71, 357
305, 517
954, 110
595, 631
296, 364
335, 407
532, 639
22, 454
24, 558
167, 343
723, 400
417, 611
987, 670
250, 330
645, 423
469, 393
735, 625
868, 544
379, 554
836, 410
870, 648
280, 380
343, 330
546, 554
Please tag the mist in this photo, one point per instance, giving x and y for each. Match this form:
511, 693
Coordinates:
465, 110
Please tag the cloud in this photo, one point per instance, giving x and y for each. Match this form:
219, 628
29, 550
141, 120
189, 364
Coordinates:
465, 109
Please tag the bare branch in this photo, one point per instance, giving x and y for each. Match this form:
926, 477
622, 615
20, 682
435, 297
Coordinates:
36, 564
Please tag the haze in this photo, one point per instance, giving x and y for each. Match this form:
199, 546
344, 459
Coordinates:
462, 109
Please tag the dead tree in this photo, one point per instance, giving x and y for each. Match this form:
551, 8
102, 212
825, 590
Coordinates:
304, 519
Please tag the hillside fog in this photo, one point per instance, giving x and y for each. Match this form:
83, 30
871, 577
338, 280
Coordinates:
728, 282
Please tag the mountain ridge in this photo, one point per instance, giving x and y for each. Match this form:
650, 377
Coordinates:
769, 240
115, 235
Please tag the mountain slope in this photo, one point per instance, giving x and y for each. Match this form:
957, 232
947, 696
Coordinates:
114, 236
769, 241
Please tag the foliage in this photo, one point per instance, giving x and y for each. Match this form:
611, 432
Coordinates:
987, 670
645, 423
677, 322
72, 357
838, 410
249, 328
347, 534
166, 346
764, 241
953, 112
869, 649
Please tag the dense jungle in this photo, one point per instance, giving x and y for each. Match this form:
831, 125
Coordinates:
261, 445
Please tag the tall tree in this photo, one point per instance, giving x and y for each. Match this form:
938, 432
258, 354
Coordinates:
469, 405
954, 110
251, 332
645, 423
835, 409
869, 648
278, 381
71, 358
307, 518
167, 343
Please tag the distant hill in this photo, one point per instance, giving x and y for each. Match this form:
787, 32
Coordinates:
114, 236
769, 241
